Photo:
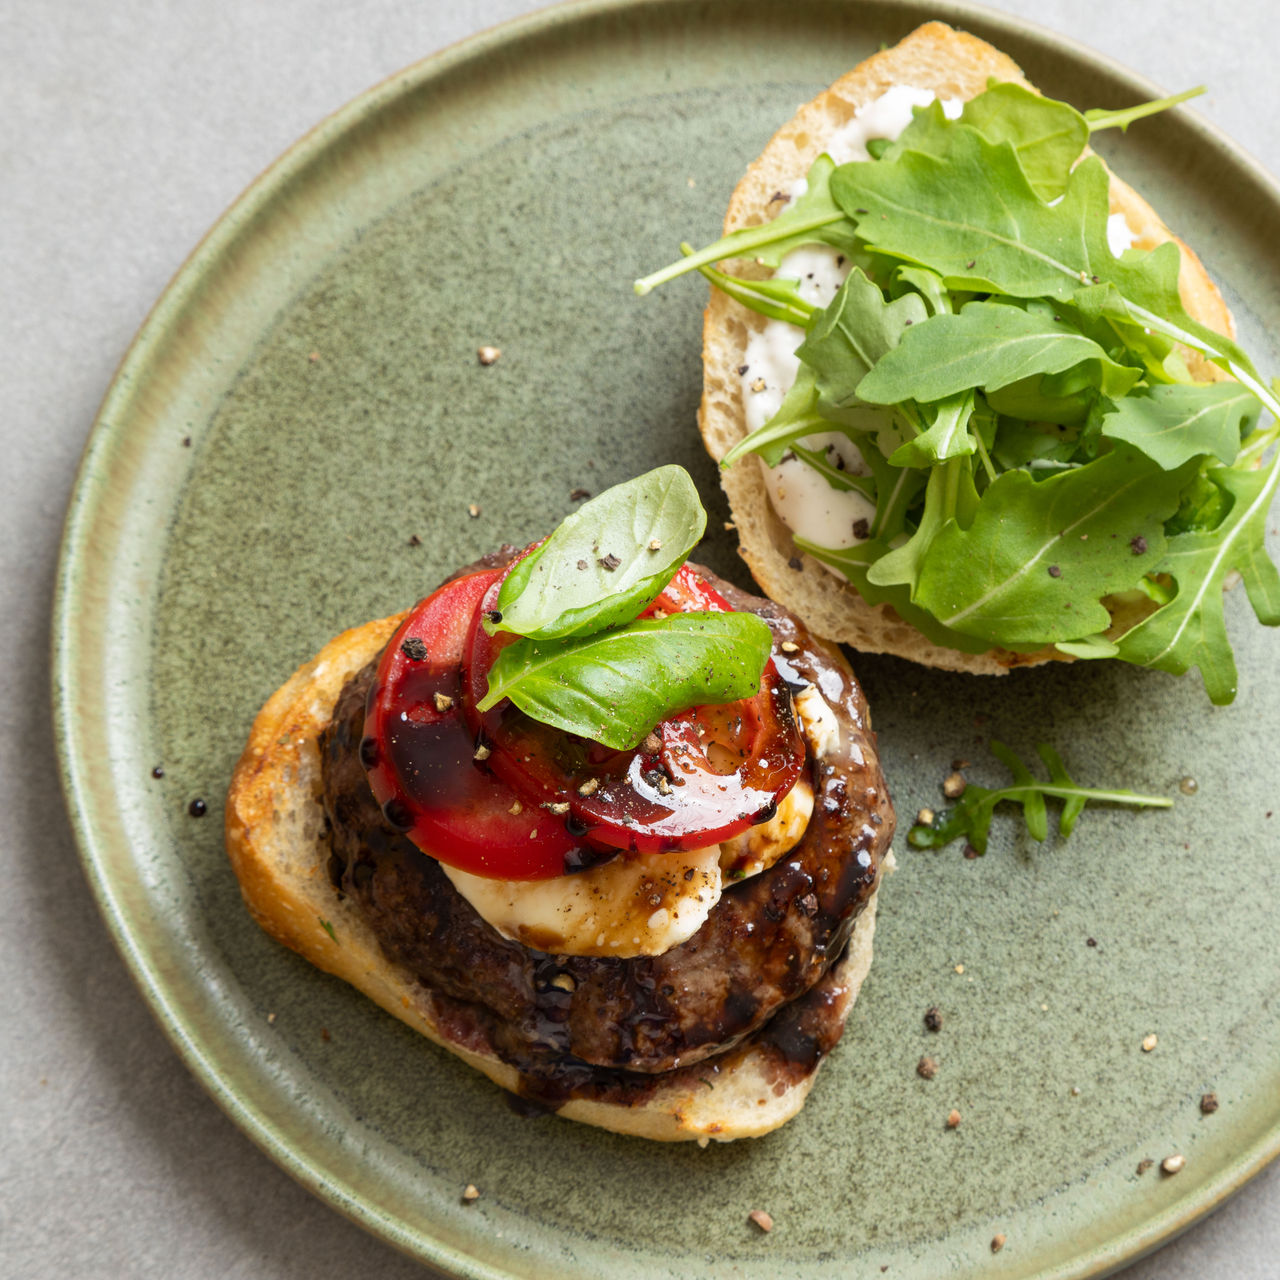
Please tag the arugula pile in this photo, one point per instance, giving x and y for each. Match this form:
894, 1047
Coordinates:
1041, 450
971, 817
585, 662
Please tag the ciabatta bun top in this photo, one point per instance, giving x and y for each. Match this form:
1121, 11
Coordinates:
952, 64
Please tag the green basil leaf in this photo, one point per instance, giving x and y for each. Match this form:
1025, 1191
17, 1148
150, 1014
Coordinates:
1039, 557
988, 345
616, 686
1174, 422
606, 561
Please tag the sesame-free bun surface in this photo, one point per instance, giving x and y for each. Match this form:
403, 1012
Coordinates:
952, 64
276, 840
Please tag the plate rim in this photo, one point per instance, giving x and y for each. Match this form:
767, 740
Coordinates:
75, 766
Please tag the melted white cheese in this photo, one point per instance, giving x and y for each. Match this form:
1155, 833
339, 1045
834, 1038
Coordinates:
636, 905
757, 848
645, 904
803, 499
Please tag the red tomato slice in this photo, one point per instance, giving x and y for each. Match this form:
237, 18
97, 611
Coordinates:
702, 776
419, 754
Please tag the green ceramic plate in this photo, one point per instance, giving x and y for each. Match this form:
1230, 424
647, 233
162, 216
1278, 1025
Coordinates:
291, 447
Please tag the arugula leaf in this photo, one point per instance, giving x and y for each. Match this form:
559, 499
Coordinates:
838, 479
950, 495
1021, 444
853, 562
614, 687
948, 436
970, 214
851, 335
988, 345
1190, 630
896, 491
1039, 557
1174, 422
606, 561
1099, 118
928, 284
796, 419
776, 299
1047, 136
813, 219
971, 817
1028, 400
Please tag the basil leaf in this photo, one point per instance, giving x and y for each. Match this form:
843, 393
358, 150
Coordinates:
988, 345
1174, 422
606, 561
1190, 630
615, 687
1039, 557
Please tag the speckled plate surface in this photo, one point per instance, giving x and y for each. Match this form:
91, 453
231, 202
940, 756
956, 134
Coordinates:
291, 447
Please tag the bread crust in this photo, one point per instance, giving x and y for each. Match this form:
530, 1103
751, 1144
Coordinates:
275, 834
953, 64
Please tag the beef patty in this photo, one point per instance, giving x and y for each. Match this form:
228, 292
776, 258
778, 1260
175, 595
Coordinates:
765, 943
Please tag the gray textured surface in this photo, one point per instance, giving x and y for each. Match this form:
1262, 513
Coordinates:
127, 130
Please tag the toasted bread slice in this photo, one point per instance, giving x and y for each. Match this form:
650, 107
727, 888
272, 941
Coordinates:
275, 829
952, 64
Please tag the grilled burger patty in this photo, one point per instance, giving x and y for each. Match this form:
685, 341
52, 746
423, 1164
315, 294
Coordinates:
765, 943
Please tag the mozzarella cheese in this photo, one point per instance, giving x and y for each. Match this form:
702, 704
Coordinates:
645, 904
636, 905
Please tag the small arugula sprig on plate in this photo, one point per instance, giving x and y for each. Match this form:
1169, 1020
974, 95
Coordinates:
1042, 453
585, 662
970, 818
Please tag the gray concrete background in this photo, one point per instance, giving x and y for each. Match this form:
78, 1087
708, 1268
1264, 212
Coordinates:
127, 128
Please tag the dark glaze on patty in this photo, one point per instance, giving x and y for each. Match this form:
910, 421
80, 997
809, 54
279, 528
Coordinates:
765, 944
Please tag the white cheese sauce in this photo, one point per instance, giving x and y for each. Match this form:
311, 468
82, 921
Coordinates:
802, 497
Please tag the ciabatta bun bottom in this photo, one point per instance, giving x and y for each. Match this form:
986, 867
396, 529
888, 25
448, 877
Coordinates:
275, 828
952, 64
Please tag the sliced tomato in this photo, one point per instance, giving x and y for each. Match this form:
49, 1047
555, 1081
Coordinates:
419, 753
701, 777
